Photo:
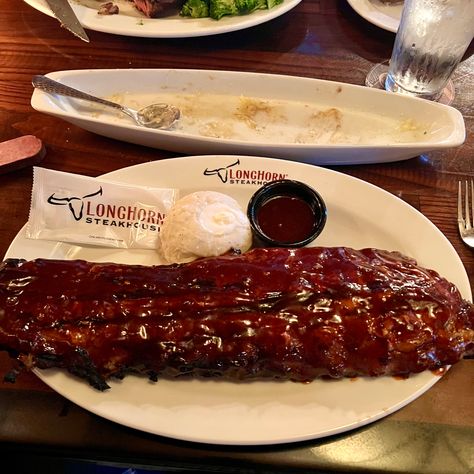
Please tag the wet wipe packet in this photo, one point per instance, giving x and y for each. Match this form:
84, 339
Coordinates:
79, 209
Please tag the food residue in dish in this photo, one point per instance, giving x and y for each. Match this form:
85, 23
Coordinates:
275, 121
253, 111
323, 126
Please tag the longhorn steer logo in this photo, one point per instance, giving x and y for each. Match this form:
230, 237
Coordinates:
76, 204
223, 173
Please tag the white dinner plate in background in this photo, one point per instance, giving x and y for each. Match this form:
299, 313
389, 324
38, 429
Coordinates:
379, 13
130, 22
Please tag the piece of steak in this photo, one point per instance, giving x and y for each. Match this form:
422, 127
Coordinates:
279, 313
155, 8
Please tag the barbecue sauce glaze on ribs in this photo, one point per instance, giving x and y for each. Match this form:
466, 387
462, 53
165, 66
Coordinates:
269, 313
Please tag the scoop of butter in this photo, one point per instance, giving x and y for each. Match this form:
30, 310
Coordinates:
204, 224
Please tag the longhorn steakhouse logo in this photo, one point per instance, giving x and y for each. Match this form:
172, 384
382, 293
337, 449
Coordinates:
223, 172
107, 214
228, 174
75, 204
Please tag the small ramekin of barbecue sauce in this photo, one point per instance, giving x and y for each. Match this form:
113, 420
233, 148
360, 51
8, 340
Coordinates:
286, 213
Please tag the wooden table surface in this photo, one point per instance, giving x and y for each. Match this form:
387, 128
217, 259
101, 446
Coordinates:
317, 39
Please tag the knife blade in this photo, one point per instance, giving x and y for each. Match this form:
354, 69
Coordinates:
63, 12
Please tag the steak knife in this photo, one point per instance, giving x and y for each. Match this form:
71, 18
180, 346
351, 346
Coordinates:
63, 11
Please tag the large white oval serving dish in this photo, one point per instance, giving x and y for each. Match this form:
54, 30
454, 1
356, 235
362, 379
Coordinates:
130, 22
295, 118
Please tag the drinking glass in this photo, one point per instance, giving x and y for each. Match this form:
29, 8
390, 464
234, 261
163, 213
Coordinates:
431, 40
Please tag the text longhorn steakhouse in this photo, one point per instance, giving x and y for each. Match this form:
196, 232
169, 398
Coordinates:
223, 173
76, 204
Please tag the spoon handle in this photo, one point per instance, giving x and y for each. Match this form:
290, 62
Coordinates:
49, 85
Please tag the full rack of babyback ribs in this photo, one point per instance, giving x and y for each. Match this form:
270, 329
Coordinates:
272, 313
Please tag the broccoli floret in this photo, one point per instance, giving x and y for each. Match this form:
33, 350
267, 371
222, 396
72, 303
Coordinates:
216, 9
195, 8
273, 3
248, 6
219, 8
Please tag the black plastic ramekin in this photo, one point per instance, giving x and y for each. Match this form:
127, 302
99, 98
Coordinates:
286, 202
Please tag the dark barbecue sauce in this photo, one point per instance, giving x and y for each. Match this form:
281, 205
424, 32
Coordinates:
286, 219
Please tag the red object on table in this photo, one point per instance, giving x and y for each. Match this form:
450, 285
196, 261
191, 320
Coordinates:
20, 152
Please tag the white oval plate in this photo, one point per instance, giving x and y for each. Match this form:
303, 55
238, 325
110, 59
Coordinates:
132, 23
378, 13
267, 412
372, 126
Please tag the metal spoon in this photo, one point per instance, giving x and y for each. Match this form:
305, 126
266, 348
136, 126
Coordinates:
161, 116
